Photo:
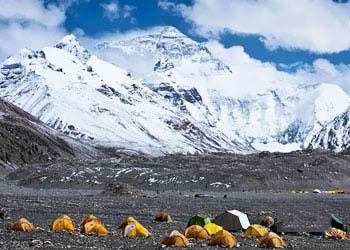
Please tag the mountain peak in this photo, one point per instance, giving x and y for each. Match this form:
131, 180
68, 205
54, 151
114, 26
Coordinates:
68, 40
170, 31
71, 44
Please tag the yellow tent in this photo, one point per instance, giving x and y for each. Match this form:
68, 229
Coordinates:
23, 225
196, 232
136, 231
212, 228
87, 219
223, 238
164, 217
92, 225
335, 234
255, 230
63, 223
271, 240
175, 239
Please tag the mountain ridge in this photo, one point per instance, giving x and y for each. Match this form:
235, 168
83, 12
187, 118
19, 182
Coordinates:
171, 110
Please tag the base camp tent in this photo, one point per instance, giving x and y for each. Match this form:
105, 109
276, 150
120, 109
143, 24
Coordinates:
196, 232
175, 239
267, 221
63, 223
92, 225
200, 220
335, 234
133, 231
164, 217
212, 228
271, 240
232, 220
337, 223
255, 230
23, 225
223, 238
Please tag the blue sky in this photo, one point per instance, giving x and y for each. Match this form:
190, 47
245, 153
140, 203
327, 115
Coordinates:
269, 30
90, 16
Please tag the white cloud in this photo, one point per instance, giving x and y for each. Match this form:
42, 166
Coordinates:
28, 23
78, 32
32, 10
179, 9
321, 26
251, 75
128, 9
323, 71
138, 65
111, 10
114, 11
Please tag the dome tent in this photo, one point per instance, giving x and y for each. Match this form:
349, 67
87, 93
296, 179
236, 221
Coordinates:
223, 238
92, 225
199, 219
63, 223
196, 232
232, 220
175, 239
255, 230
23, 225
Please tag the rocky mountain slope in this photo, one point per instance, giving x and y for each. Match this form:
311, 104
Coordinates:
335, 135
26, 140
85, 97
277, 117
186, 102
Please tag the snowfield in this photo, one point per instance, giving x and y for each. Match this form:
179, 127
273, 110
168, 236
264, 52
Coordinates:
185, 104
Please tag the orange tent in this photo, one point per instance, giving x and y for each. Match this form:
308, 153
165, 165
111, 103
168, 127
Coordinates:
88, 219
335, 234
92, 225
196, 232
63, 223
175, 239
23, 225
164, 217
223, 238
271, 240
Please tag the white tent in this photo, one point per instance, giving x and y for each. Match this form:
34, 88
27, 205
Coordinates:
232, 220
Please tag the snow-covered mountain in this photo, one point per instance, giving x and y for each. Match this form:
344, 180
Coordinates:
186, 102
85, 97
335, 135
279, 117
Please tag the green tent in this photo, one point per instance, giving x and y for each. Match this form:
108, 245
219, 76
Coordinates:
337, 223
200, 220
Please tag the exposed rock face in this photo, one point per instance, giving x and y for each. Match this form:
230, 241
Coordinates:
335, 135
25, 140
179, 106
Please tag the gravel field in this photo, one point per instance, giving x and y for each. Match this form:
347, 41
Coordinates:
258, 185
40, 207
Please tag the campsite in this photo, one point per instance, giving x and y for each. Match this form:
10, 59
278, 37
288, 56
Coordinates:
41, 207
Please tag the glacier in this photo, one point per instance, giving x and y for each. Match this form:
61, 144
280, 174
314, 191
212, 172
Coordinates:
183, 104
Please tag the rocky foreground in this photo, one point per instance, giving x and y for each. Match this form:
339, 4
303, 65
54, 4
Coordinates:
42, 208
258, 185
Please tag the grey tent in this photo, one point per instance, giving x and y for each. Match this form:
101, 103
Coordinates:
232, 220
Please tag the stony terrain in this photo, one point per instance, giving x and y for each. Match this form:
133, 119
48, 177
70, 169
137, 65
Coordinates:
25, 140
215, 172
259, 184
42, 210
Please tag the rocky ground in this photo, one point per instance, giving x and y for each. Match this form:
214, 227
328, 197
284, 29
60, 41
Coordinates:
255, 184
42, 210
301, 170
